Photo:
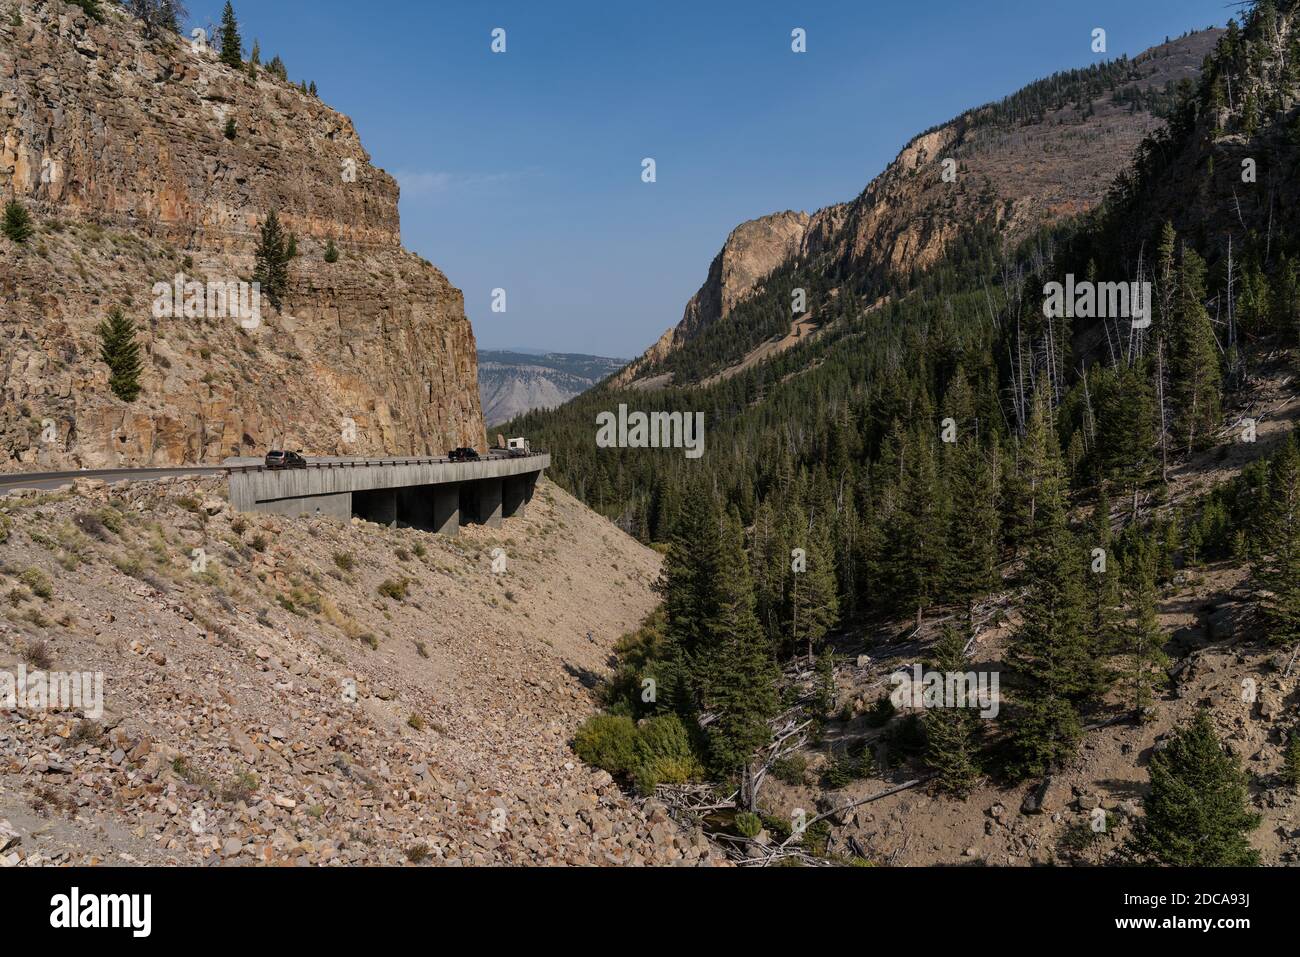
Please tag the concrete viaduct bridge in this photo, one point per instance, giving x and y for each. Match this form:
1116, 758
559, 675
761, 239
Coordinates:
434, 494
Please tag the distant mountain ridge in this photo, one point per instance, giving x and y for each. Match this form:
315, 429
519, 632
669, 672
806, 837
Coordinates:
512, 383
1042, 154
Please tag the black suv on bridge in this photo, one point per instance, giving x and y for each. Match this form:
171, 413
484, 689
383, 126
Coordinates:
276, 459
463, 455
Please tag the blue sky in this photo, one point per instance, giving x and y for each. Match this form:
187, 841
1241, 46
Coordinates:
522, 170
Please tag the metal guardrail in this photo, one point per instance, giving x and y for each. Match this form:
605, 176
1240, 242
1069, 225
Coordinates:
370, 463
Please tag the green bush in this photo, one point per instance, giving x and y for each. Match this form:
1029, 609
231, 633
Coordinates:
843, 770
5, 527
607, 741
38, 582
790, 770
17, 223
394, 588
748, 825
663, 754
656, 752
92, 9
1291, 765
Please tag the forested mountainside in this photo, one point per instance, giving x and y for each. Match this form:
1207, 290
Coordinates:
973, 453
1048, 151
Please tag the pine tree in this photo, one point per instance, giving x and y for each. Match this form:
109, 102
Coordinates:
331, 252
1196, 379
1055, 669
975, 523
232, 47
92, 8
1196, 811
1166, 293
1142, 637
255, 58
1103, 588
824, 684
812, 601
739, 678
1291, 762
170, 14
231, 130
690, 600
17, 222
1040, 473
922, 548
271, 261
1277, 570
1126, 428
951, 746
118, 349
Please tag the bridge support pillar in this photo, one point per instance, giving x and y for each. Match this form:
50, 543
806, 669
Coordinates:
487, 494
376, 505
446, 509
514, 495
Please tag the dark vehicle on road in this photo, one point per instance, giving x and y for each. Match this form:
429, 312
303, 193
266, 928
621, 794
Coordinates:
463, 455
277, 459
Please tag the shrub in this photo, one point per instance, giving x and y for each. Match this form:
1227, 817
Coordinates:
87, 732
110, 518
878, 714
345, 561
5, 527
17, 223
748, 825
37, 654
790, 769
416, 721
607, 741
92, 8
230, 131
662, 754
240, 788
91, 524
394, 588
331, 252
38, 582
843, 770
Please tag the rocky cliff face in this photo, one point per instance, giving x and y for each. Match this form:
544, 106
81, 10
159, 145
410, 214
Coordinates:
1011, 175
122, 150
748, 257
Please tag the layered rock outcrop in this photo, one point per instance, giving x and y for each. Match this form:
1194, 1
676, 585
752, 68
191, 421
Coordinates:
143, 159
748, 257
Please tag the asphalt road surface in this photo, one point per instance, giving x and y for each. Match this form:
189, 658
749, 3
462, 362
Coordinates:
52, 480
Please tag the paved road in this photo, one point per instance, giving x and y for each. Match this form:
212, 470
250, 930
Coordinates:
52, 480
